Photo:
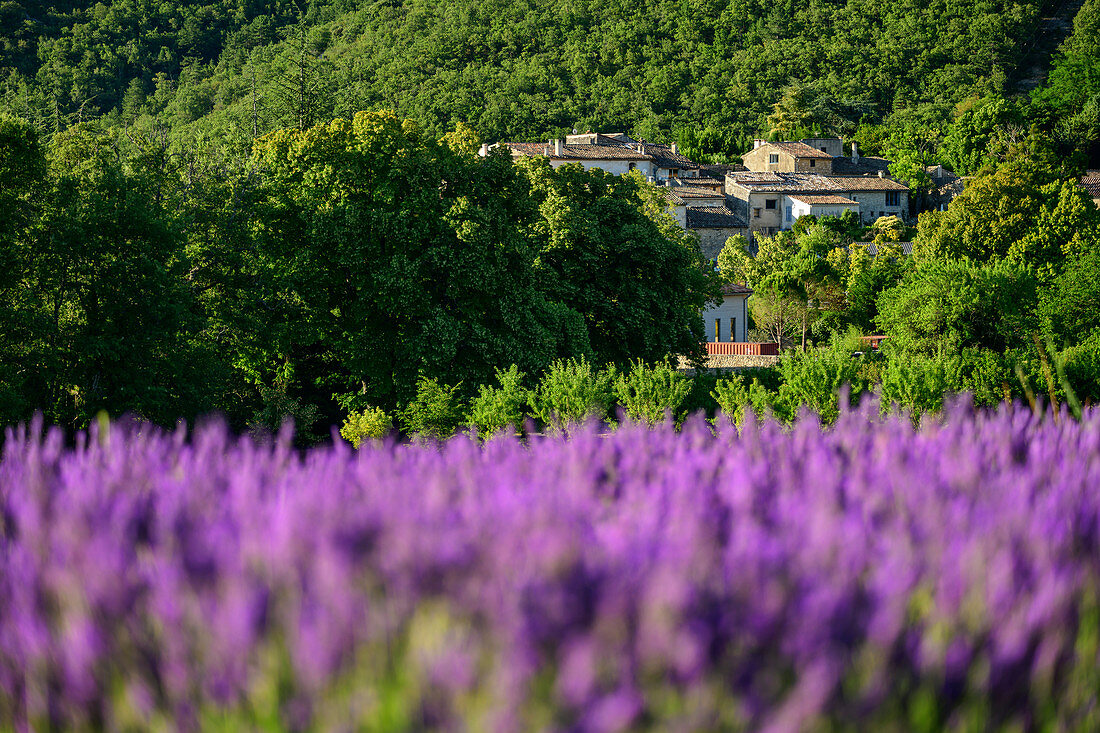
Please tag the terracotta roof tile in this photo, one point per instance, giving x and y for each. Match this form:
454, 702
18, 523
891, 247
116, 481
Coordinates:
871, 183
578, 152
698, 192
665, 158
811, 183
713, 217
736, 289
800, 150
823, 200
1091, 183
785, 182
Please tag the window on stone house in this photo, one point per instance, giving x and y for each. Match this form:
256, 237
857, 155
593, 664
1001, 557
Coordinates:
733, 329
769, 204
756, 213
773, 157
892, 198
813, 163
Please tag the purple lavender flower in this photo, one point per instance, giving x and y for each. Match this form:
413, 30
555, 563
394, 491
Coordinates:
703, 579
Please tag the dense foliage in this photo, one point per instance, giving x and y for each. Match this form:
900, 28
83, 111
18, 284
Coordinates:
920, 579
710, 74
334, 269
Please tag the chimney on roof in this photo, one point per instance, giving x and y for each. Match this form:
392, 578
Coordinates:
882, 174
757, 143
483, 150
675, 149
557, 147
939, 171
855, 152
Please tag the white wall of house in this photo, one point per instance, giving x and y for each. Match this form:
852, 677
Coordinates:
616, 167
731, 317
792, 209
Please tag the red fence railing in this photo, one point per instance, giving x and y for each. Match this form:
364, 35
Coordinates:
873, 342
740, 348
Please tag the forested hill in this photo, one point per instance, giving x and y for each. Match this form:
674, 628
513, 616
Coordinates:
704, 72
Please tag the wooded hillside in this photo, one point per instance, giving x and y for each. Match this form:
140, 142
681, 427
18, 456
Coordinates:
704, 72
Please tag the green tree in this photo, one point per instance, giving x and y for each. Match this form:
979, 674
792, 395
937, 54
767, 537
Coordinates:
108, 322
967, 144
1069, 307
955, 303
393, 256
608, 252
1022, 211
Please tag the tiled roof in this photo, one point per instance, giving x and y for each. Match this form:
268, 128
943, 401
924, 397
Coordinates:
1091, 183
906, 248
719, 170
784, 182
800, 150
665, 158
702, 182
871, 183
735, 289
578, 152
824, 200
713, 217
811, 183
867, 166
698, 192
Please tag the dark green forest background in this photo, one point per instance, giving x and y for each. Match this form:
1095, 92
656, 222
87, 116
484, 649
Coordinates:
707, 73
186, 229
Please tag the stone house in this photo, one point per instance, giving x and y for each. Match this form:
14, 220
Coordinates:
789, 179
808, 204
614, 153
787, 157
766, 200
728, 321
713, 225
617, 159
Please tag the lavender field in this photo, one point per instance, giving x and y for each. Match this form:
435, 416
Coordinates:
868, 576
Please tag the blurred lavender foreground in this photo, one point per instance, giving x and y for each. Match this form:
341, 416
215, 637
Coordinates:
865, 577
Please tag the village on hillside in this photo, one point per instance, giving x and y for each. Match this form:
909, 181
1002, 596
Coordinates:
776, 184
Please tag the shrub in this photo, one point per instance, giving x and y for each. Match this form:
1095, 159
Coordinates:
736, 392
572, 391
436, 412
497, 408
648, 394
369, 424
917, 382
814, 379
1081, 367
